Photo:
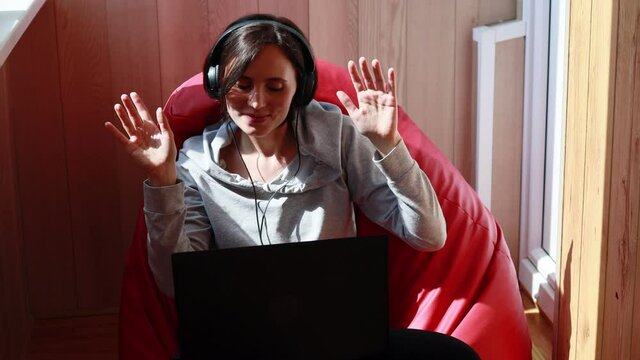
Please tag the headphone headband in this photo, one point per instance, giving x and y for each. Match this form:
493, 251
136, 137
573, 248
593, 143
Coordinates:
212, 73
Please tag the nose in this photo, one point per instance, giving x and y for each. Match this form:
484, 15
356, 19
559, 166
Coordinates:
256, 98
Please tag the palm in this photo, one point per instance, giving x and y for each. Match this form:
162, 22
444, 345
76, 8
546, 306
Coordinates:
149, 143
149, 146
377, 114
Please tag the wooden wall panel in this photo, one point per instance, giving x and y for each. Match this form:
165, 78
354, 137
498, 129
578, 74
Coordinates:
85, 75
507, 140
635, 321
223, 12
296, 10
431, 34
464, 95
183, 30
333, 30
41, 160
94, 51
494, 11
382, 34
15, 320
135, 66
622, 290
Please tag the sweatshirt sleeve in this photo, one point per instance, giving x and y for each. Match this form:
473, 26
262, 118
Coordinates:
176, 222
394, 192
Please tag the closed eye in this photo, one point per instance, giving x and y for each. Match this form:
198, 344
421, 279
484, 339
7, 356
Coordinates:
243, 84
275, 85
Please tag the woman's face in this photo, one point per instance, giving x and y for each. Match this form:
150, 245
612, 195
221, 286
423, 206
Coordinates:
259, 102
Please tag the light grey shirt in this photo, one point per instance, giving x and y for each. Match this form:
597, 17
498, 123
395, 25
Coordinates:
311, 199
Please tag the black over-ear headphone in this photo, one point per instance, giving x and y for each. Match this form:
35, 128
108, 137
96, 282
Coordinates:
211, 73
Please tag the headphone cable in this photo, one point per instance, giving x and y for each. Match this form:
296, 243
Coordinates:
262, 223
264, 213
253, 186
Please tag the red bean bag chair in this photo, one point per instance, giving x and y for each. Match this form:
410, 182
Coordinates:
468, 289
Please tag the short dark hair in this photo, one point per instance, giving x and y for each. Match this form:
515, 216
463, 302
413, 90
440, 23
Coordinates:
243, 44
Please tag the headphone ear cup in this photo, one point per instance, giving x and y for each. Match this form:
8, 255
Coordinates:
211, 81
307, 88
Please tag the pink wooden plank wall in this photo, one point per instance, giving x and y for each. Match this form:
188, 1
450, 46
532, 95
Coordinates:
73, 195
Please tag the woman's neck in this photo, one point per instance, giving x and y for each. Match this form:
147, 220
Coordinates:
279, 144
264, 158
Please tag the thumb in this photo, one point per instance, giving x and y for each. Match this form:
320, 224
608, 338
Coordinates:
346, 102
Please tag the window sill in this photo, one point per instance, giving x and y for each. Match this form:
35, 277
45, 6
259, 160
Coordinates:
15, 17
540, 284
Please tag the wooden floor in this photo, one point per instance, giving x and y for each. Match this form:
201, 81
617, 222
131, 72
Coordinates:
90, 337
540, 329
96, 337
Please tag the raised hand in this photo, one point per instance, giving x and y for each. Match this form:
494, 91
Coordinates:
149, 143
377, 116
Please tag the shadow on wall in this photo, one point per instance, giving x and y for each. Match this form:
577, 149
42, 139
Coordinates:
562, 342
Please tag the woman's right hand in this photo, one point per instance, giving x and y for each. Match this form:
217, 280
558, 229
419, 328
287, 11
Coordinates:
149, 143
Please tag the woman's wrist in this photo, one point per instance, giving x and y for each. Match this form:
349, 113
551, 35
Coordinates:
385, 145
162, 178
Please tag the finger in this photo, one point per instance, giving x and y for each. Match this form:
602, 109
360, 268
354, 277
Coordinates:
377, 73
125, 120
366, 74
391, 74
132, 112
164, 125
346, 102
116, 133
355, 77
140, 106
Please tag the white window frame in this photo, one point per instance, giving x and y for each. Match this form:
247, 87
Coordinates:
487, 37
544, 24
543, 148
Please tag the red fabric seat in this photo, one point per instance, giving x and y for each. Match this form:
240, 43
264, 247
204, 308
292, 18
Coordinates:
468, 289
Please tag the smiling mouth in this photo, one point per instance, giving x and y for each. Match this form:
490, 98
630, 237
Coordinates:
257, 118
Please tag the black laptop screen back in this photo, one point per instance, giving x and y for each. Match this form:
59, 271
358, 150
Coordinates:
323, 299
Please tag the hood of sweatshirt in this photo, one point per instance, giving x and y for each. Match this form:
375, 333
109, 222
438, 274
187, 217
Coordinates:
321, 159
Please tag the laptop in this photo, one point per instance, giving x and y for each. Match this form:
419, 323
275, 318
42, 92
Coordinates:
325, 299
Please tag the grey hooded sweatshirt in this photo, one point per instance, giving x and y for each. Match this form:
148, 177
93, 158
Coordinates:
311, 199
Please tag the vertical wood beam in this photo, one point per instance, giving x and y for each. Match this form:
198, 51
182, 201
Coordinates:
587, 157
223, 12
15, 320
333, 30
134, 58
296, 10
431, 34
183, 30
464, 95
33, 74
85, 89
622, 290
382, 34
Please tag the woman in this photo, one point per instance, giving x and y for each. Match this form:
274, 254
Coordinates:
278, 167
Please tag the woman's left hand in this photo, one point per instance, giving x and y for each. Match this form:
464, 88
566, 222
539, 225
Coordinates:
377, 116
